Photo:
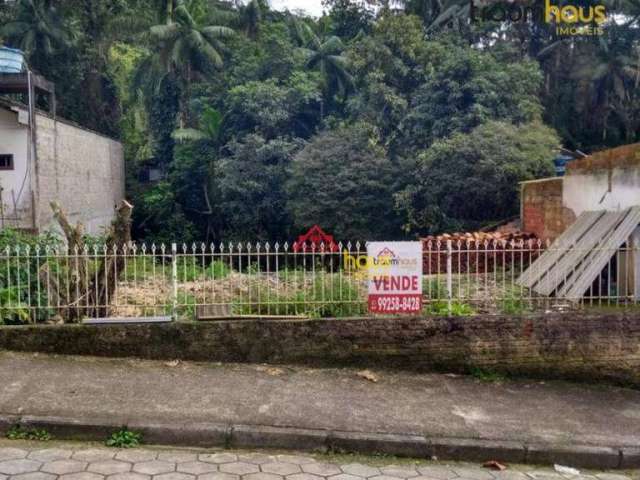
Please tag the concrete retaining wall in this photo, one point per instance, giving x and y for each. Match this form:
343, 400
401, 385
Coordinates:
572, 346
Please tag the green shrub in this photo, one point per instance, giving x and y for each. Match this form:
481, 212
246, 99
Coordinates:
124, 438
11, 311
19, 277
217, 270
192, 269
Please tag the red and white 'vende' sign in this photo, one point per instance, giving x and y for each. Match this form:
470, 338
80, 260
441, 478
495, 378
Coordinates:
395, 277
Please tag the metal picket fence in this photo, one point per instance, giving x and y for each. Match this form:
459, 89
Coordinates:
55, 283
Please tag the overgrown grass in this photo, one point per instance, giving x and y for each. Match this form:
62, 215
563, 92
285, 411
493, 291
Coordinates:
434, 288
442, 308
329, 295
143, 268
513, 306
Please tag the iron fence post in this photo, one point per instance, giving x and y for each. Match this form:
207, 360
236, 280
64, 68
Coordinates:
449, 275
174, 281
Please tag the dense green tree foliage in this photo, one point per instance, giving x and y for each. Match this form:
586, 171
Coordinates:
378, 120
468, 180
344, 181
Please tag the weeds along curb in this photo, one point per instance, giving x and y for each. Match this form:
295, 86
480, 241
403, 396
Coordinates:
260, 436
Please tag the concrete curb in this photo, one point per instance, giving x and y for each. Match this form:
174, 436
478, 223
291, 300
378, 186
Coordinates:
261, 436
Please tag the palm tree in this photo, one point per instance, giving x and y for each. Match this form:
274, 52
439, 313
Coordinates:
186, 49
250, 18
208, 133
611, 71
165, 9
38, 30
325, 54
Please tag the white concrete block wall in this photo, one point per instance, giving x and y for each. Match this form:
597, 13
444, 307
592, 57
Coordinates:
80, 169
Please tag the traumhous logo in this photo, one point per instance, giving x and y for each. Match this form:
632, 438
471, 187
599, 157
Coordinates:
569, 19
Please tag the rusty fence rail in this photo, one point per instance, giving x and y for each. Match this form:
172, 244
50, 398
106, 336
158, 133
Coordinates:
39, 284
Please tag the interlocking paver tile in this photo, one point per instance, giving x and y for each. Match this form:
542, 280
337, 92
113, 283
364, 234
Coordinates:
400, 471
218, 476
385, 477
82, 476
437, 472
257, 458
424, 477
109, 467
112, 464
345, 476
94, 454
34, 476
135, 455
239, 468
60, 467
545, 475
18, 466
297, 459
218, 457
128, 476
473, 473
360, 470
281, 468
174, 476
154, 467
177, 457
10, 453
511, 475
304, 476
49, 454
322, 469
262, 476
197, 467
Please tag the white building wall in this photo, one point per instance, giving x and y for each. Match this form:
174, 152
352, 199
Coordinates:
602, 190
16, 183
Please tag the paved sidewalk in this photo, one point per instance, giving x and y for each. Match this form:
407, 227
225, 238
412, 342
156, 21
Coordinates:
83, 390
131, 390
47, 461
